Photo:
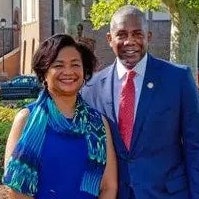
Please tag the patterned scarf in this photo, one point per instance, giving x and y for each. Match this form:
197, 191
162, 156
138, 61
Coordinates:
21, 173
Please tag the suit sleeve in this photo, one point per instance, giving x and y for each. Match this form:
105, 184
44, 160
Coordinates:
190, 129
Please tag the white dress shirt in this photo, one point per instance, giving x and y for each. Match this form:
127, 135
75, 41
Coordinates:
140, 69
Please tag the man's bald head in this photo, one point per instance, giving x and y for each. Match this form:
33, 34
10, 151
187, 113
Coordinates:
125, 12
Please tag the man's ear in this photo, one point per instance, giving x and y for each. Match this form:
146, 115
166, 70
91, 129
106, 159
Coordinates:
109, 39
149, 35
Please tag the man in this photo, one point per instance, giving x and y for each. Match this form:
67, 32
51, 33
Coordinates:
161, 161
89, 42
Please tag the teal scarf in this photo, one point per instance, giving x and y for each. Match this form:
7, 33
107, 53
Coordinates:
21, 173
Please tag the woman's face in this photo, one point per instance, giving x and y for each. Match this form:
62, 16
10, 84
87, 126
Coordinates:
65, 75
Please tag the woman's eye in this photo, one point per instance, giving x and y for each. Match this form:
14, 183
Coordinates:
76, 65
57, 66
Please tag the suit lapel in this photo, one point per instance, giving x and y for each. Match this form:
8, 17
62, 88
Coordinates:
106, 89
150, 85
107, 85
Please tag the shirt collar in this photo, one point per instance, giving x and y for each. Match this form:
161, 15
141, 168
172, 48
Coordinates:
139, 68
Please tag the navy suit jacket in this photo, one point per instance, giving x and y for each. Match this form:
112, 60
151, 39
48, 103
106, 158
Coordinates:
163, 160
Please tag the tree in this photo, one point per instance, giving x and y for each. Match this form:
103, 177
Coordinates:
184, 20
102, 10
184, 31
72, 15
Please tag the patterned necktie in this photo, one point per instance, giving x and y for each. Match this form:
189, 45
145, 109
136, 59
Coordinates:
126, 108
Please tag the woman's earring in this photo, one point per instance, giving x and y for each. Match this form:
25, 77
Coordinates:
83, 83
45, 84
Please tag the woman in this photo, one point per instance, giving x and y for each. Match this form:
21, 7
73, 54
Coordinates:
59, 147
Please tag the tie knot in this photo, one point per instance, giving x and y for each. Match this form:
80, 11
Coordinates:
130, 74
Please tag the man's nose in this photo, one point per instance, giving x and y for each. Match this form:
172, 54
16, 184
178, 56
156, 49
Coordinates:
130, 39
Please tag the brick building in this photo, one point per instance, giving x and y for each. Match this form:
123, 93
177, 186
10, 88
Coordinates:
40, 19
9, 38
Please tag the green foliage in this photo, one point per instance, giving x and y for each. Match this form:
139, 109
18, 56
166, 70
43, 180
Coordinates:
8, 111
4, 131
22, 103
192, 4
6, 117
16, 103
7, 114
102, 11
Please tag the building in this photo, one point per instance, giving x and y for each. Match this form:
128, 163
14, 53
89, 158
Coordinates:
40, 20
159, 23
9, 37
36, 20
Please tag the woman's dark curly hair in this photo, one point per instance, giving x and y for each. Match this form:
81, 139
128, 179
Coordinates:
49, 49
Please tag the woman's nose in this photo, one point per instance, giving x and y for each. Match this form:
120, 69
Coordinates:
67, 70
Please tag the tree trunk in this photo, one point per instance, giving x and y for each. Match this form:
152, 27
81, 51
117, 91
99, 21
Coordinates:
72, 16
184, 37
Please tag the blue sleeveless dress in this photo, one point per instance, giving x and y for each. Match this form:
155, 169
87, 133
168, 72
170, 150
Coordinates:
63, 162
70, 164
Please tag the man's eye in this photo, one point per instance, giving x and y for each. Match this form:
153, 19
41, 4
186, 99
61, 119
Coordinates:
139, 34
121, 35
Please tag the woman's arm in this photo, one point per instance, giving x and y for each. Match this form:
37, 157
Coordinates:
15, 133
15, 195
109, 181
13, 137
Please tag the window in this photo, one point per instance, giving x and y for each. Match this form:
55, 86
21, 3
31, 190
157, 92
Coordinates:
83, 10
24, 13
29, 13
61, 6
24, 57
33, 10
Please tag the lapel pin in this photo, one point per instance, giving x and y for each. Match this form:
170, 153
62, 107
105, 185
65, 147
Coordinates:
150, 85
